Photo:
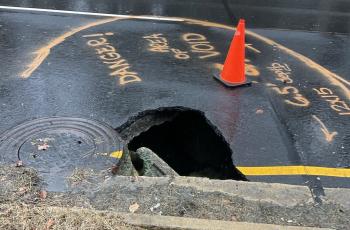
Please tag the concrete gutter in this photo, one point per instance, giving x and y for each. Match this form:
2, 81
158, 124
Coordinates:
337, 195
279, 194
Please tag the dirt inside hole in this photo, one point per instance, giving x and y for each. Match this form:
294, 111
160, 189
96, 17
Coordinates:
190, 145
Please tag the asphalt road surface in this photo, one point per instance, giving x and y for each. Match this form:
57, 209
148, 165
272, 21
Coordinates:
85, 59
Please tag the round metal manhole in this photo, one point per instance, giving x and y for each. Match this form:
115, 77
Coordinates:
65, 151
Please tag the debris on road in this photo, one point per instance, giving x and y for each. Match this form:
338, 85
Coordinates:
133, 208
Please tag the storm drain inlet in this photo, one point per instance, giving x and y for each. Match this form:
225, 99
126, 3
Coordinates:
65, 151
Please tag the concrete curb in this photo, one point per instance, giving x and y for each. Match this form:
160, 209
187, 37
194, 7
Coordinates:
339, 196
222, 200
169, 222
279, 194
227, 201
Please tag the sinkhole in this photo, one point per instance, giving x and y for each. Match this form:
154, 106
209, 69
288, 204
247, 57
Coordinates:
187, 142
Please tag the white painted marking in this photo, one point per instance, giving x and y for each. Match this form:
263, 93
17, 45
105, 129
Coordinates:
89, 13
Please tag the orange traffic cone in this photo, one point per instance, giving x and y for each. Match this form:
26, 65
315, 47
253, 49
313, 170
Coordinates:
233, 73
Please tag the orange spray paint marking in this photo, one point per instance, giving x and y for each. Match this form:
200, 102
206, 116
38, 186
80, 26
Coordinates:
44, 52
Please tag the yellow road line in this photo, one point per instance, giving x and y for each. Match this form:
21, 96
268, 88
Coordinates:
294, 170
117, 154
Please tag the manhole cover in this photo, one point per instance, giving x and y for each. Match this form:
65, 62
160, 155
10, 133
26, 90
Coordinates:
65, 151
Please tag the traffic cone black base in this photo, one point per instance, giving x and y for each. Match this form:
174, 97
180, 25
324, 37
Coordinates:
230, 85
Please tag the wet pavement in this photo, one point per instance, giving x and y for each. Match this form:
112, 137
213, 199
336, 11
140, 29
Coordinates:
296, 113
310, 15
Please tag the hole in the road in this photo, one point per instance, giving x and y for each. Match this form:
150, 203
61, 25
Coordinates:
189, 144
138, 163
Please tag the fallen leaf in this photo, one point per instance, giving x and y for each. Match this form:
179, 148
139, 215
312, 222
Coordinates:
155, 207
22, 190
136, 178
19, 163
43, 194
133, 208
233, 218
49, 224
259, 111
115, 169
44, 146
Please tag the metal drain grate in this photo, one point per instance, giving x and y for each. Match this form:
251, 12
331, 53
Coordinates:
60, 147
